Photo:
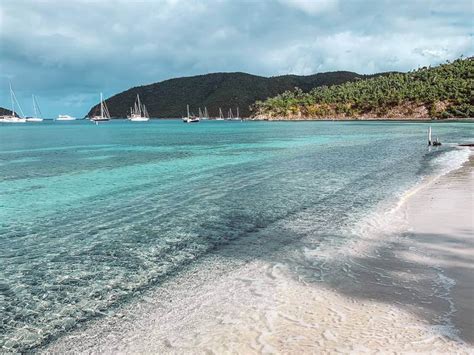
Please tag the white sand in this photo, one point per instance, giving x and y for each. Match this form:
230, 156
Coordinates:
405, 288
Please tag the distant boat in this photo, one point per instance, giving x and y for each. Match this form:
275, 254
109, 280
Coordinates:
221, 116
206, 114
37, 112
65, 118
104, 112
238, 118
230, 116
431, 142
139, 112
190, 118
13, 118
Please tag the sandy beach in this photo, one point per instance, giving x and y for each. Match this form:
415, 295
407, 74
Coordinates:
404, 288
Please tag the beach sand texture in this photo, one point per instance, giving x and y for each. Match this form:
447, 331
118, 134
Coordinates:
406, 287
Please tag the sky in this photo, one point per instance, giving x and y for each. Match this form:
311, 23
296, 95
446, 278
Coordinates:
67, 52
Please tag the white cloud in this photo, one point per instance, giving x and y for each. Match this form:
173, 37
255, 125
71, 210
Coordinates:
57, 49
312, 7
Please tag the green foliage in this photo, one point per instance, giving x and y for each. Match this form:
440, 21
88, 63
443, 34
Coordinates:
226, 90
445, 91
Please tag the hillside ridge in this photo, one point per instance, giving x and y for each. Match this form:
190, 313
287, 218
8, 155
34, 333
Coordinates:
228, 90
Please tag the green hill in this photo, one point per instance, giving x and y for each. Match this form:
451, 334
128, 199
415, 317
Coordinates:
226, 90
430, 92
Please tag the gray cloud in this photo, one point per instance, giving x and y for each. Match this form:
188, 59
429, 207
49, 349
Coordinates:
67, 51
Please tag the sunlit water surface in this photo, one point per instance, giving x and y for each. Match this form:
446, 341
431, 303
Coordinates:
89, 215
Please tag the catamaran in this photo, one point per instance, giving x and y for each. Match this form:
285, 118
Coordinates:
14, 117
221, 116
37, 112
139, 112
65, 118
104, 112
190, 118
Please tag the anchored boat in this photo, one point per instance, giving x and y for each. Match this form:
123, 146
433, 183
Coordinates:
37, 112
190, 118
14, 117
104, 112
138, 113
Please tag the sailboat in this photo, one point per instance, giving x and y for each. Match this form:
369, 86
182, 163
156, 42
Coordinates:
435, 142
221, 116
104, 112
14, 117
138, 113
190, 118
238, 118
230, 116
37, 112
206, 114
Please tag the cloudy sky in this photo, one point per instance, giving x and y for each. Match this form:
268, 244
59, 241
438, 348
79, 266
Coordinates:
66, 52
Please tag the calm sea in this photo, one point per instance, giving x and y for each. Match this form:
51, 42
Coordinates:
92, 215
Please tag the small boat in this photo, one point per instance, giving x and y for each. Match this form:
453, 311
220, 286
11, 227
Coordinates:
37, 112
14, 117
139, 112
221, 116
431, 142
104, 112
65, 118
190, 118
230, 116
206, 114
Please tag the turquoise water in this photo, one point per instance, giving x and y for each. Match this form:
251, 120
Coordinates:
91, 215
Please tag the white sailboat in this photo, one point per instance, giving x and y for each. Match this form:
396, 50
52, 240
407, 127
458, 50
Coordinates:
14, 117
206, 114
190, 118
230, 116
139, 112
104, 112
221, 116
238, 118
37, 112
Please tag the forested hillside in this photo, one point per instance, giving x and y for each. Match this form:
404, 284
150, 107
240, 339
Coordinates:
226, 90
430, 92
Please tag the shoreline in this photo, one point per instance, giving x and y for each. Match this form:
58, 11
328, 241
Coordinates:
393, 293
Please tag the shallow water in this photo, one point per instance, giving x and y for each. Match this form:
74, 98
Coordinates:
91, 215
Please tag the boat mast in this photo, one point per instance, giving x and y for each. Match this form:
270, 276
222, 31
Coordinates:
34, 105
101, 106
139, 106
37, 109
206, 114
13, 102
429, 136
187, 107
238, 111
220, 113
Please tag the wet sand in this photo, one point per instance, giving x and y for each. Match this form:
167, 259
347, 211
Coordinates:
403, 287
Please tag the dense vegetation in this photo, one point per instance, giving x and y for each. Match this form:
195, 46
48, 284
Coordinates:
430, 92
225, 90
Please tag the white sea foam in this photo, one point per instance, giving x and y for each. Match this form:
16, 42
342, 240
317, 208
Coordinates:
451, 160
